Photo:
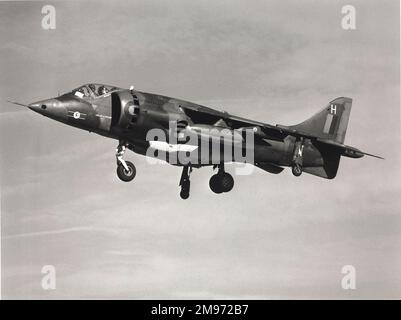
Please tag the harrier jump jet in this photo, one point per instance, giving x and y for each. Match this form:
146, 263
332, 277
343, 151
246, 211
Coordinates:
314, 146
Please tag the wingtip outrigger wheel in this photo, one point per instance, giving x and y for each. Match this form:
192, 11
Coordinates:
126, 170
296, 169
297, 159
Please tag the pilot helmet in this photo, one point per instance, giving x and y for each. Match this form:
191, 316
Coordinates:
101, 90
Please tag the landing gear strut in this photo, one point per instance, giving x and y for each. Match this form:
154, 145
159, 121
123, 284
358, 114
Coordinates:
297, 159
185, 183
126, 170
221, 181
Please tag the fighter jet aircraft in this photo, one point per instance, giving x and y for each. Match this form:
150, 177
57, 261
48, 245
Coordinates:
138, 121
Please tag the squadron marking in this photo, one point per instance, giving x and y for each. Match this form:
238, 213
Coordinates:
333, 109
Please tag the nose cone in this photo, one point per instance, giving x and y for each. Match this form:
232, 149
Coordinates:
38, 107
51, 108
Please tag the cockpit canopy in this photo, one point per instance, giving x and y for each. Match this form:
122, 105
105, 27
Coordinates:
93, 90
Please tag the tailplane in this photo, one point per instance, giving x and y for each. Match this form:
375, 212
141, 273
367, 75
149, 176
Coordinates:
326, 130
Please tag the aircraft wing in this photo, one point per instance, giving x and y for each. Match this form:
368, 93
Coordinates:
204, 115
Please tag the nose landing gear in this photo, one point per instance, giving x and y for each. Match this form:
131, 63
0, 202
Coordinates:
126, 170
221, 181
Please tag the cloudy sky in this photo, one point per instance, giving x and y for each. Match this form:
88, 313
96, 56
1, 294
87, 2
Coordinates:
272, 236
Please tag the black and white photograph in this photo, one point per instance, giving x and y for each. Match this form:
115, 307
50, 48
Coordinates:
220, 150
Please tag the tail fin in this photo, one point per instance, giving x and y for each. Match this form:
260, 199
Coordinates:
330, 123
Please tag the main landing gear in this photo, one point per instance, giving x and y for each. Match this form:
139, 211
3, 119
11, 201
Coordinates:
126, 170
297, 159
221, 181
185, 183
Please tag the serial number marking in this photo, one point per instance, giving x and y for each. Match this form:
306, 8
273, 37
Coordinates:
213, 309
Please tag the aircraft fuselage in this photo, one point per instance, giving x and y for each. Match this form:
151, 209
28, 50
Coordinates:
191, 135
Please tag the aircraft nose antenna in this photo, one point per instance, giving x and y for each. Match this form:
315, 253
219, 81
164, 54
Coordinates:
17, 103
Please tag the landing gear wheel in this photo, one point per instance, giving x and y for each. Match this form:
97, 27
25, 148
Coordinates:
297, 159
184, 194
296, 170
185, 183
124, 174
214, 184
226, 182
